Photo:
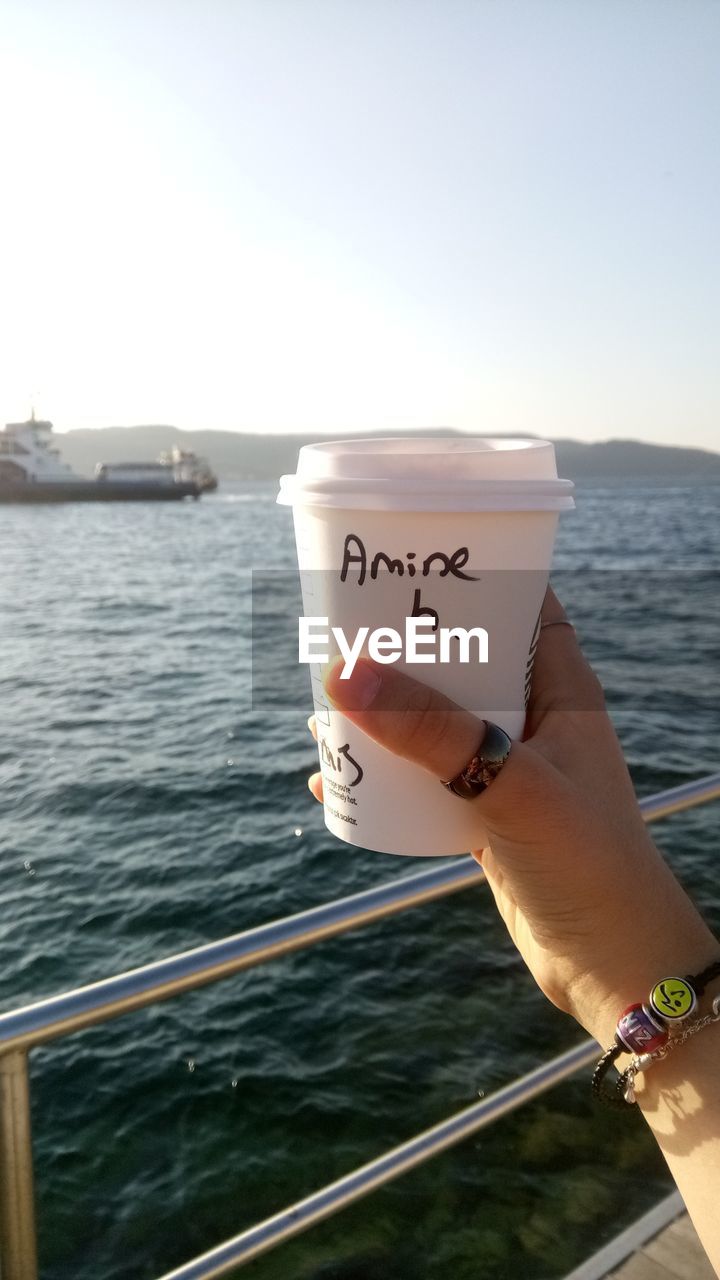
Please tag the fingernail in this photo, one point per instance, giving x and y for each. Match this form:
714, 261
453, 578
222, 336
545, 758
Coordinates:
358, 691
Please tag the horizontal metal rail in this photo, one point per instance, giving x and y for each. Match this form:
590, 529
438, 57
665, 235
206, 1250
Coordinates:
61, 1015
686, 796
23, 1029
361, 1182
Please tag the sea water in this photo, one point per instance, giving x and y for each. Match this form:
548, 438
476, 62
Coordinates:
148, 806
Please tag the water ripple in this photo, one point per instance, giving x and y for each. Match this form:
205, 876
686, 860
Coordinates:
149, 807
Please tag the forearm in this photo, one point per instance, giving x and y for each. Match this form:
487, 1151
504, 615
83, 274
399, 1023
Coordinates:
679, 1096
680, 1100
592, 907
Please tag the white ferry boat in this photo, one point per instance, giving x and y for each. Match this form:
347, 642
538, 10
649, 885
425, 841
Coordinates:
134, 473
188, 465
31, 470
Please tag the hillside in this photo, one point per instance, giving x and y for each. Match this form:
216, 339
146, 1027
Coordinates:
241, 456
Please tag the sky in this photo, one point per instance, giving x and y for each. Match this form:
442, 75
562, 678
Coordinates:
347, 215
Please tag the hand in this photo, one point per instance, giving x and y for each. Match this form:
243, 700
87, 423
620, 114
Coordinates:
592, 907
590, 904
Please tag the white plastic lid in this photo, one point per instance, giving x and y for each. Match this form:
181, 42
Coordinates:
409, 473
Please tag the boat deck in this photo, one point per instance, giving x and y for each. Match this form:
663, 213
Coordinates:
675, 1252
662, 1245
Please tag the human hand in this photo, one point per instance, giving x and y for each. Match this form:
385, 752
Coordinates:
590, 904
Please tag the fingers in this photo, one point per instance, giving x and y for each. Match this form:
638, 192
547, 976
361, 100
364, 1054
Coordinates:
315, 783
407, 717
562, 678
562, 681
552, 611
423, 726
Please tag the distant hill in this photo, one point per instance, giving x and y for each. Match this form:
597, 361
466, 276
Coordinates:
241, 456
633, 460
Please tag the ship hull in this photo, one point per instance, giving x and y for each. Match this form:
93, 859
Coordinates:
97, 491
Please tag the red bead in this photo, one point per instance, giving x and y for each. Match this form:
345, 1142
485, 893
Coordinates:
638, 1031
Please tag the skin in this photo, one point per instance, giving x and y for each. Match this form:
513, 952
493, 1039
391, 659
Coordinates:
592, 907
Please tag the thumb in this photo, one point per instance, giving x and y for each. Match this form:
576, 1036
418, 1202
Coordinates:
409, 718
427, 728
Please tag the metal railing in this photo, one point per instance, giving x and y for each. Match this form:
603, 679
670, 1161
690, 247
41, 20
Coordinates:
23, 1029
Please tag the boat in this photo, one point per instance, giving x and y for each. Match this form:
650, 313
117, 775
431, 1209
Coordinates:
188, 465
32, 470
154, 473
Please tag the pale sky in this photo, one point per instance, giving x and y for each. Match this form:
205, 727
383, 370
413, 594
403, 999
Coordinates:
496, 215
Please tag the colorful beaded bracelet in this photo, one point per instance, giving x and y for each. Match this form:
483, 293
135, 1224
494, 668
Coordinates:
644, 1030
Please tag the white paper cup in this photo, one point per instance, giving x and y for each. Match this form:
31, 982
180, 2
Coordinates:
461, 526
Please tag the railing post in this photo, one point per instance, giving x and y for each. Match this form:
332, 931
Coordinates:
18, 1246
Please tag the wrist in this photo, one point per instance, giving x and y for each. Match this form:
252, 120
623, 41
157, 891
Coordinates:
686, 1067
680, 944
651, 1033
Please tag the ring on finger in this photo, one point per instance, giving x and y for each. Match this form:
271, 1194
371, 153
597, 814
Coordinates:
557, 622
484, 766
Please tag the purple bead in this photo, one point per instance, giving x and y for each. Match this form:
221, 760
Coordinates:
639, 1032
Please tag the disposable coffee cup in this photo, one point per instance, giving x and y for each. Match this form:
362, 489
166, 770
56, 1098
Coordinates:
457, 535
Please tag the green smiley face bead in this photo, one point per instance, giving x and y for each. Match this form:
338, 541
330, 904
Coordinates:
673, 999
